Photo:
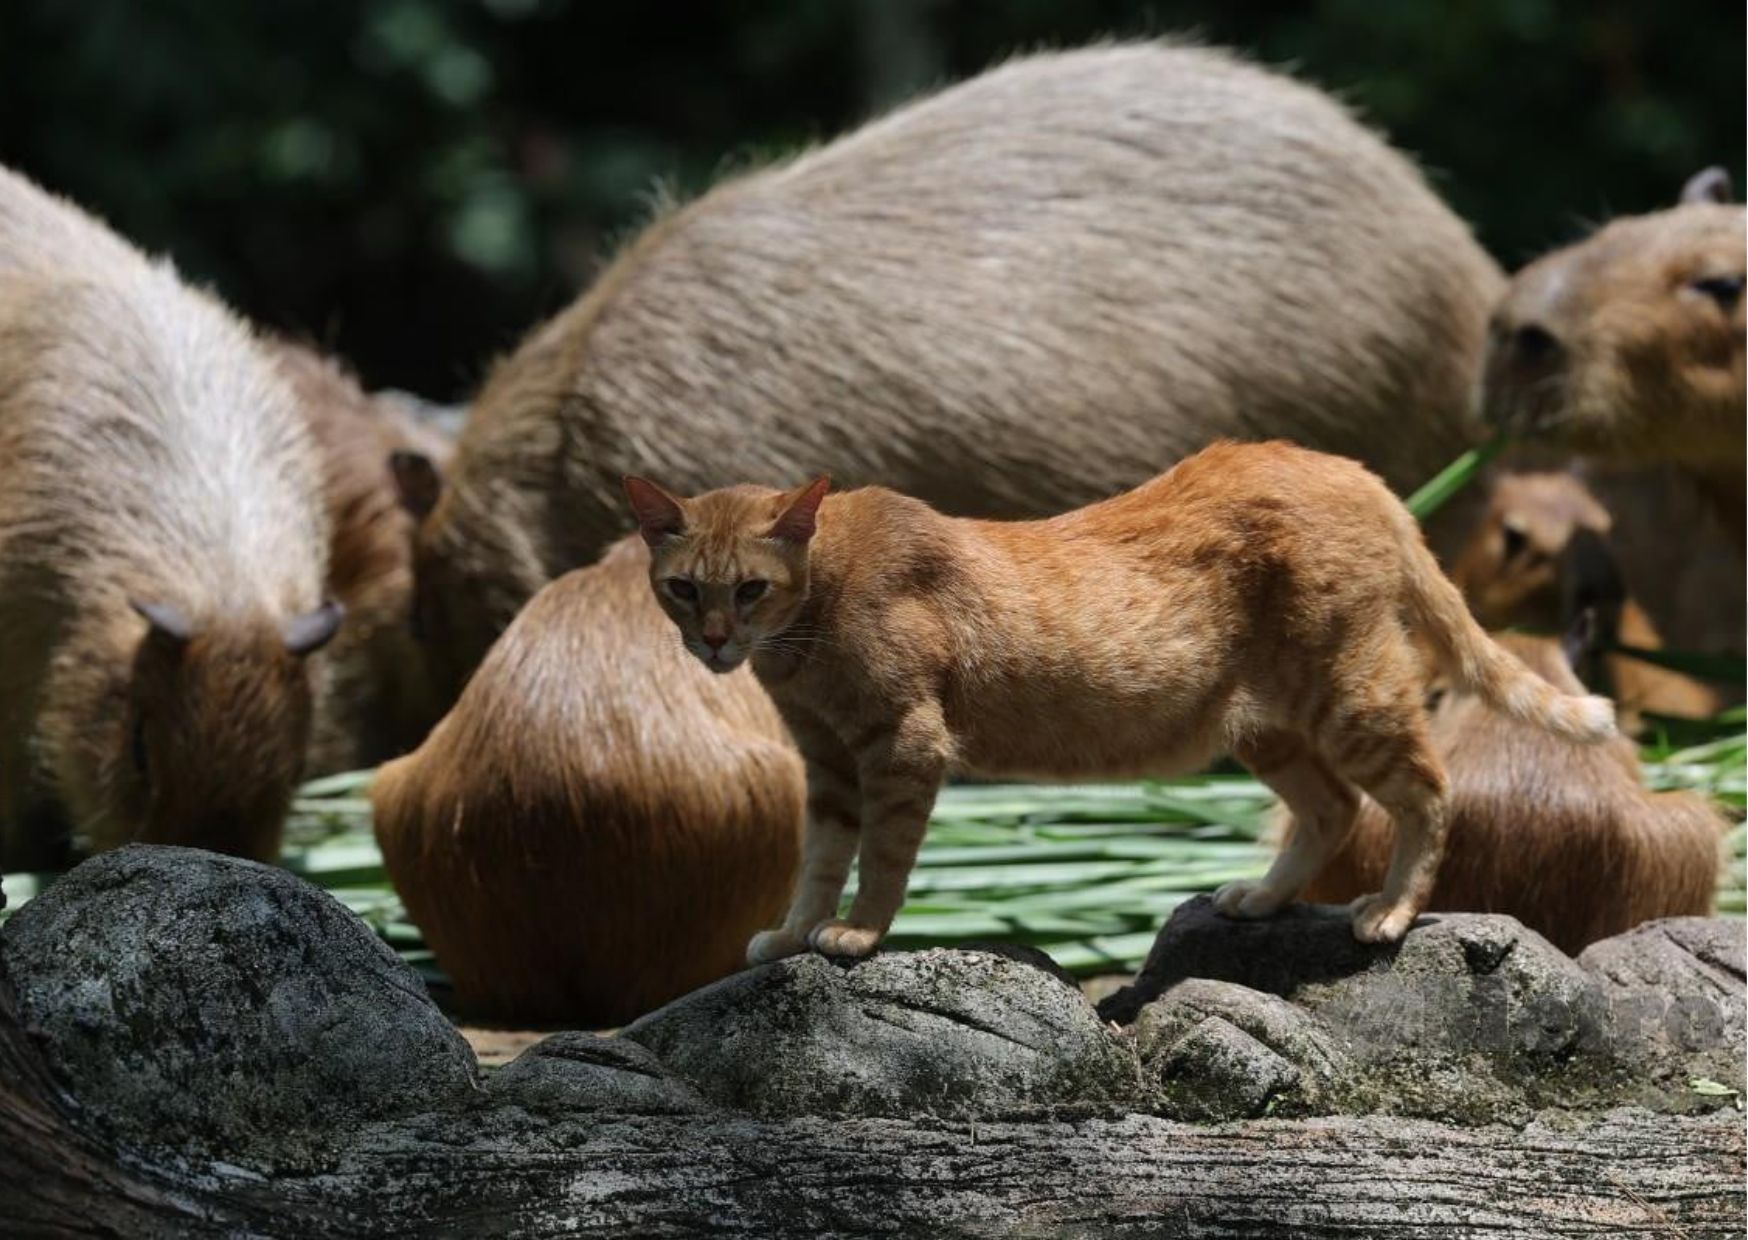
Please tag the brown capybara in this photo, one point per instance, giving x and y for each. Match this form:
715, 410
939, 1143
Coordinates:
373, 699
163, 549
1628, 346
1564, 838
600, 824
1025, 293
1540, 556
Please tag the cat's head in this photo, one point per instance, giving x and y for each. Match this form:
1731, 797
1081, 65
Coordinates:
730, 566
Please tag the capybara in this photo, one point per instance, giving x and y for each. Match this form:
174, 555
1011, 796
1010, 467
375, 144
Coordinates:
1628, 346
600, 824
373, 699
1538, 558
1564, 838
163, 548
1027, 292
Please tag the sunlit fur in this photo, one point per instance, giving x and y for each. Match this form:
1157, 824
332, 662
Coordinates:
1565, 839
599, 824
1509, 570
374, 700
1648, 367
148, 452
1260, 600
1019, 295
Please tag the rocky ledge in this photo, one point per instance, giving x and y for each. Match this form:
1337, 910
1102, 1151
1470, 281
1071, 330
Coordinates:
192, 1044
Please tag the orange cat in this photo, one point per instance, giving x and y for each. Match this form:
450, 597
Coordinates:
1259, 599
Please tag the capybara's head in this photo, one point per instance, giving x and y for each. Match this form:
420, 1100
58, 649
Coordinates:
730, 567
208, 743
1629, 345
1522, 552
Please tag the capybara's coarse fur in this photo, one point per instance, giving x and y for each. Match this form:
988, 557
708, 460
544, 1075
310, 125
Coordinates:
1257, 599
1564, 838
163, 548
373, 698
1628, 346
1538, 556
600, 824
1023, 294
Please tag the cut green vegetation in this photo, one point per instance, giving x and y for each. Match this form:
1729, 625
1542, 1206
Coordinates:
1087, 873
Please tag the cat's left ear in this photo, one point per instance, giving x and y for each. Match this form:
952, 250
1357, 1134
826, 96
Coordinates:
658, 514
797, 522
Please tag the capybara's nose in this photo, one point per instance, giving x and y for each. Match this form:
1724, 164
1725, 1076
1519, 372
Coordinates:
1523, 355
1531, 344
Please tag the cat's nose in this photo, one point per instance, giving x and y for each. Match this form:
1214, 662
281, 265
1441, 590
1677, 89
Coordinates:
716, 641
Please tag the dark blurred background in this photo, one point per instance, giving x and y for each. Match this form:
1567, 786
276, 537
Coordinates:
416, 182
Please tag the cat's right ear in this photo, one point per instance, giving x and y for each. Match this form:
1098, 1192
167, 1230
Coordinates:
659, 515
797, 521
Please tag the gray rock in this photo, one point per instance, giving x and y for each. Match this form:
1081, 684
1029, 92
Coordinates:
1218, 1072
936, 1032
1677, 983
219, 1007
1219, 1051
1458, 983
1470, 1018
1675, 996
587, 1072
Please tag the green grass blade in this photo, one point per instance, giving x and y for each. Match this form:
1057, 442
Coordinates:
1452, 478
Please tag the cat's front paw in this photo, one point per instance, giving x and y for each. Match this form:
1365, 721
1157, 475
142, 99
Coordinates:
1248, 900
841, 938
1378, 920
769, 945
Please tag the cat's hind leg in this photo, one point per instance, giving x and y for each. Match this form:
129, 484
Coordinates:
1385, 750
1323, 808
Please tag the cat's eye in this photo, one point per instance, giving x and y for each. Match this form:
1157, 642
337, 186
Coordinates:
751, 591
1516, 541
681, 588
1725, 290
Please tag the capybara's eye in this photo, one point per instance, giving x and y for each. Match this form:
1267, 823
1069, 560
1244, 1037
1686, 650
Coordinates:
750, 591
1725, 290
1516, 542
680, 588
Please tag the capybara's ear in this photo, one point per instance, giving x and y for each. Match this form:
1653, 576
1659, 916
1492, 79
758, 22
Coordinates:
1590, 577
169, 625
797, 521
1710, 185
1579, 642
659, 515
309, 632
417, 481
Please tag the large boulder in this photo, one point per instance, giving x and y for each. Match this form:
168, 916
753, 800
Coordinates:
1472, 1017
938, 1032
1677, 983
219, 1007
1674, 995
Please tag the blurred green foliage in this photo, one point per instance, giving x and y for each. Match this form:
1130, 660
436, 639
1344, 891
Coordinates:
415, 182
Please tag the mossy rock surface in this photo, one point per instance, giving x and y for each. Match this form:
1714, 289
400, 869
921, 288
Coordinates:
218, 1006
942, 1032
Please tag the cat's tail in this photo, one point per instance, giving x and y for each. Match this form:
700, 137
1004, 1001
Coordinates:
1478, 665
